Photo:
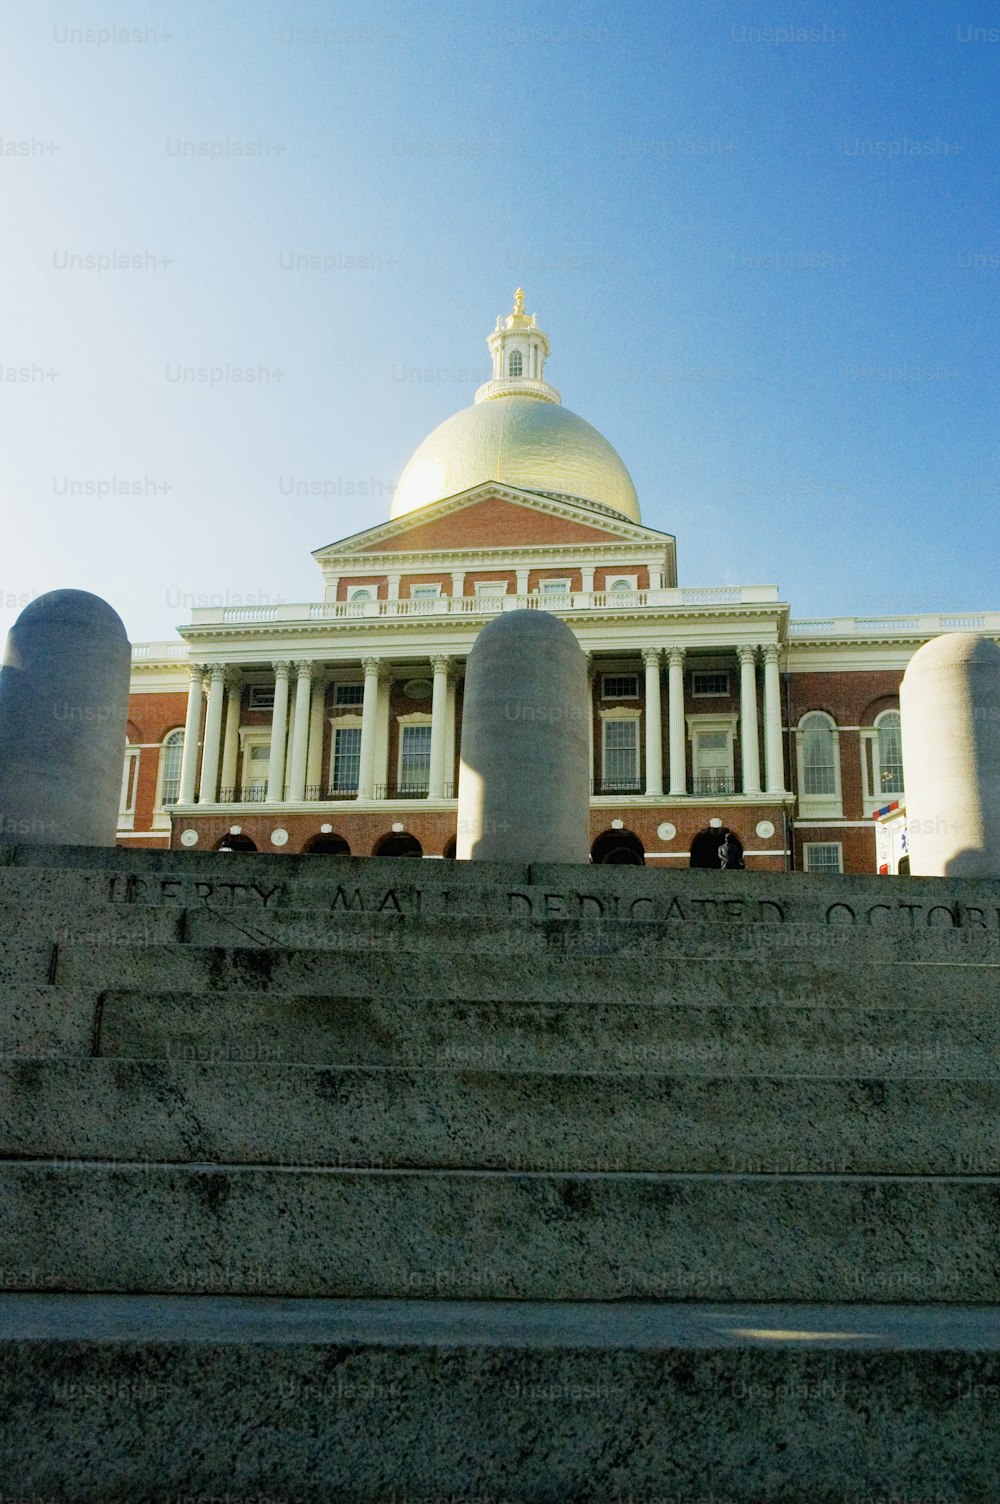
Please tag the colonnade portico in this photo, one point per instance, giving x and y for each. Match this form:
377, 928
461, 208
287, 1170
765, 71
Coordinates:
300, 719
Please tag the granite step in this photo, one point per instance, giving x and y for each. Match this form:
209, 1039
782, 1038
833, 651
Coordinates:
389, 1118
510, 1402
516, 972
944, 1034
99, 1226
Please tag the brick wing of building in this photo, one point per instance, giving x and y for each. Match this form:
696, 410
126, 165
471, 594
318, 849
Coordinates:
335, 726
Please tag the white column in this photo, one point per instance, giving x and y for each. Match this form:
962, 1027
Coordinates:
393, 587
300, 731
587, 579
192, 726
521, 581
366, 772
749, 748
439, 703
654, 724
458, 582
774, 745
279, 730
231, 738
314, 757
655, 577
675, 713
590, 716
209, 786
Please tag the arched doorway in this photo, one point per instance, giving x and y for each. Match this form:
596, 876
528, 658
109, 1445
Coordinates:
618, 848
399, 844
327, 845
705, 848
235, 843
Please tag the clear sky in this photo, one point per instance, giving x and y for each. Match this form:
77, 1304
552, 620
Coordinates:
763, 240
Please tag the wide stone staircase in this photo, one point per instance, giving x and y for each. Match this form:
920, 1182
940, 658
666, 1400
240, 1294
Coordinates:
330, 1179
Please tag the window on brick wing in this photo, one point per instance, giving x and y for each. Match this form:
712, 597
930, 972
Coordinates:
890, 753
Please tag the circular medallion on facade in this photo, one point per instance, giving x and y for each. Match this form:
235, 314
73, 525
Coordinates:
418, 689
279, 837
666, 831
189, 838
765, 830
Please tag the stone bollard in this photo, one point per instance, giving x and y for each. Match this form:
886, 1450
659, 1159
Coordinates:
524, 782
949, 706
63, 712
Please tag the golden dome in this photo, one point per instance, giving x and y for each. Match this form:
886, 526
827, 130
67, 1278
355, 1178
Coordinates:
516, 432
519, 441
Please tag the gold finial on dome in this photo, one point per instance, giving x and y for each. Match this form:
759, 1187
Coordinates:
519, 300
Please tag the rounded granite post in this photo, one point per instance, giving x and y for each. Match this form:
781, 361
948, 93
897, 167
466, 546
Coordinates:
524, 781
63, 711
949, 705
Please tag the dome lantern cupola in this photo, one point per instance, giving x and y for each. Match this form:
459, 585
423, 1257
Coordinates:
519, 350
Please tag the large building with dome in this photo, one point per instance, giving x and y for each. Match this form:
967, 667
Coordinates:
334, 726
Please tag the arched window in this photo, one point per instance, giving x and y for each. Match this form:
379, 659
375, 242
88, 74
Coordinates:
170, 768
361, 595
890, 753
515, 366
819, 763
818, 750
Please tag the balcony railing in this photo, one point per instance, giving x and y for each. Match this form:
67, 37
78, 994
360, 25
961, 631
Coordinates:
714, 783
616, 786
487, 605
317, 793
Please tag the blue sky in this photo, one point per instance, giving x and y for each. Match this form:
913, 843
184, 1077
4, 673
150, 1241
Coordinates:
764, 242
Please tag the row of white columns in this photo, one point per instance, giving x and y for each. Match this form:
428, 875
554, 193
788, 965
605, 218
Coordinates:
305, 756
306, 745
774, 773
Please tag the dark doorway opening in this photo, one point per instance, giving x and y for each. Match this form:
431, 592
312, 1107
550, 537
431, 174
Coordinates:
327, 845
618, 848
235, 843
399, 845
706, 844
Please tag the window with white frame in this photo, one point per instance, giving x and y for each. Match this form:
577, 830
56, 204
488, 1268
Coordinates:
261, 697
882, 761
130, 783
712, 749
424, 596
619, 686
345, 759
170, 768
515, 365
491, 587
414, 758
620, 754
818, 751
890, 753
621, 584
348, 694
358, 596
256, 761
826, 857
709, 685
554, 590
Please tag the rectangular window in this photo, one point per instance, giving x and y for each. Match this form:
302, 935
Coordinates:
346, 759
415, 760
130, 780
491, 587
619, 686
256, 760
707, 686
713, 762
824, 856
554, 592
349, 694
621, 756
261, 697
